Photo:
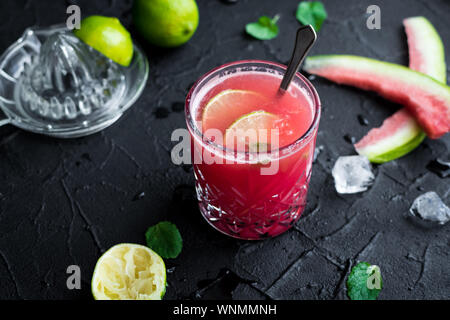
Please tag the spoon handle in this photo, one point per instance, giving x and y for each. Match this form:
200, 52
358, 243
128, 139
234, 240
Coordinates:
306, 36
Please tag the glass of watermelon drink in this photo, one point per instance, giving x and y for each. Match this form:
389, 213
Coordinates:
246, 189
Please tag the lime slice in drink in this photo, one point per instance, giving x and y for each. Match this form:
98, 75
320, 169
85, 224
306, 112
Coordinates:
108, 36
129, 272
228, 105
245, 131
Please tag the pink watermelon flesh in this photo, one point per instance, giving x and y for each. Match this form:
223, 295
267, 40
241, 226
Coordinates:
426, 50
426, 55
426, 99
392, 124
398, 135
417, 59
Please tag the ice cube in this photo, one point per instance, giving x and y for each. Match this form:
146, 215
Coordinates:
428, 210
352, 174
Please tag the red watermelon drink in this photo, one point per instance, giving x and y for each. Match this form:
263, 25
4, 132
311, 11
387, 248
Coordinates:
252, 147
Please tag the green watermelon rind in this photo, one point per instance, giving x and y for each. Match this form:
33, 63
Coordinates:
323, 65
400, 133
435, 68
397, 152
422, 36
396, 71
431, 45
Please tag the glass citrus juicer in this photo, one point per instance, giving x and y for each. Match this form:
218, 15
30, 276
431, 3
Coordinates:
52, 83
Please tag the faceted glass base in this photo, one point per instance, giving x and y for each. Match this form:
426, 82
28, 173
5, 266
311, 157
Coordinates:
261, 221
257, 230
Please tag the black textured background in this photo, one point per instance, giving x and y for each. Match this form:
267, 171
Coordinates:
64, 202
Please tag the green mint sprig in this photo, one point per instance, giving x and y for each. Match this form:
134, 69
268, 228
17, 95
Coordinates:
312, 13
165, 239
265, 29
364, 282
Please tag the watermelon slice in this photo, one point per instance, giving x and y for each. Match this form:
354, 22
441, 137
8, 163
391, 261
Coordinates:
426, 50
398, 135
426, 99
401, 133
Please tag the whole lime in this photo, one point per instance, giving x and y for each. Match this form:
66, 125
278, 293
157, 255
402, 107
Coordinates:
107, 35
166, 23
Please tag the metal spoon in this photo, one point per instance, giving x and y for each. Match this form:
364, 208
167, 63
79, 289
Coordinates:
306, 36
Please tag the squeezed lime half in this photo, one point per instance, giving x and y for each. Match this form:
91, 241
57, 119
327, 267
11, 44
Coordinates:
129, 272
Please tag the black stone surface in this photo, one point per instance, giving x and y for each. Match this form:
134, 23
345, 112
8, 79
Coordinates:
64, 202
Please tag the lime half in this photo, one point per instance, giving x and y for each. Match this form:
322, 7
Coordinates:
108, 36
225, 107
129, 272
248, 127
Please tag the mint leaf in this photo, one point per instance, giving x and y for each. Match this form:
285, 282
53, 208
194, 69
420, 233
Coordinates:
364, 282
312, 13
165, 239
265, 29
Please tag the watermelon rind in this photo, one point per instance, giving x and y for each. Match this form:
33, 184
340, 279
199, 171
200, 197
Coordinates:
434, 120
315, 64
426, 54
423, 38
398, 147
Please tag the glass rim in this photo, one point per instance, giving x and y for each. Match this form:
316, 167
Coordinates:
298, 142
